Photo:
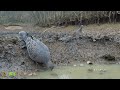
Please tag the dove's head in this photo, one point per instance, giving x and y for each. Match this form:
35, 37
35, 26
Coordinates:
23, 35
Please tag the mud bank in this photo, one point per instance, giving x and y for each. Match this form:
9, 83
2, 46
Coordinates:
66, 48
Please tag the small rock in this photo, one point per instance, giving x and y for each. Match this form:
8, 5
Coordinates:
10, 46
94, 40
30, 74
89, 62
74, 65
95, 69
81, 65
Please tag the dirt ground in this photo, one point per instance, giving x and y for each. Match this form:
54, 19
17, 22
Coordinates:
66, 46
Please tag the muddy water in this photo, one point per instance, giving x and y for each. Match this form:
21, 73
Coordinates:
80, 72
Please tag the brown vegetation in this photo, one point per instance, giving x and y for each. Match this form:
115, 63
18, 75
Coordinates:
49, 18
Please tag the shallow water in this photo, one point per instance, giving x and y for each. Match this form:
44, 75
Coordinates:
80, 72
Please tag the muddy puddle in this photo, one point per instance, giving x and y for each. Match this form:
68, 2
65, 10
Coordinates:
80, 72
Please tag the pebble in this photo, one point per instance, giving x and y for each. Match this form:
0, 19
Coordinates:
74, 65
30, 74
89, 62
94, 40
81, 65
9, 46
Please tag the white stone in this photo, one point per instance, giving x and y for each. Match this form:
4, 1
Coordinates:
74, 65
81, 65
88, 62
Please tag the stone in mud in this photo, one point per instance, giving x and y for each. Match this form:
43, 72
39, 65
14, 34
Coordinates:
81, 65
89, 63
37, 50
74, 65
10, 46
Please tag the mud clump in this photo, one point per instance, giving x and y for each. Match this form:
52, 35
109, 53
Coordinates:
108, 57
12, 40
